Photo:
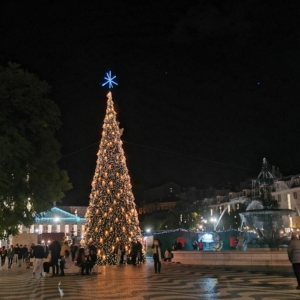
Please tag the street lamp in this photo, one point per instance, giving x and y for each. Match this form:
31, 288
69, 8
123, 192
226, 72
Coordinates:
72, 236
214, 221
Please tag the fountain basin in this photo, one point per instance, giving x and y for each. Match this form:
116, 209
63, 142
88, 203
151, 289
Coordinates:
261, 257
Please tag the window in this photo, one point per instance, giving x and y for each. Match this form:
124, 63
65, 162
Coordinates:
289, 201
75, 230
171, 190
295, 195
279, 198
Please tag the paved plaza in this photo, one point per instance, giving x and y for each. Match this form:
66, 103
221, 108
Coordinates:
175, 281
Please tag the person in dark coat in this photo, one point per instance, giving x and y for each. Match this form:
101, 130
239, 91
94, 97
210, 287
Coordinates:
55, 255
294, 256
156, 250
83, 262
74, 251
91, 258
134, 252
38, 253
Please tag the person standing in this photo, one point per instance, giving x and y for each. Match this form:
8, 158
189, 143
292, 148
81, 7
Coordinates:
156, 249
92, 258
74, 251
55, 255
3, 256
195, 245
65, 262
294, 256
133, 252
200, 245
179, 245
10, 255
120, 251
20, 255
38, 254
65, 247
82, 262
139, 252
16, 251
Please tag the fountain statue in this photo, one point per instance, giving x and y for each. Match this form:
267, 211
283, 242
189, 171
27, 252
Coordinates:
263, 217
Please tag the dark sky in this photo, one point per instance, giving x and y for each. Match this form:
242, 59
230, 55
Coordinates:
206, 88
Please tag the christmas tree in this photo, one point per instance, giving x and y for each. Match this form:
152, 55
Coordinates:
111, 215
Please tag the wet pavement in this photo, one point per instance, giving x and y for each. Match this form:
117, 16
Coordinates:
175, 281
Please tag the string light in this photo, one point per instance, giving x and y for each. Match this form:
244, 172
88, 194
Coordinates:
112, 210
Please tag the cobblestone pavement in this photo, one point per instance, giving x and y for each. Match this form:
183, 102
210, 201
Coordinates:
175, 281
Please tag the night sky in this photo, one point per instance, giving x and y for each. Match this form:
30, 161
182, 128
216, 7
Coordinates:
206, 88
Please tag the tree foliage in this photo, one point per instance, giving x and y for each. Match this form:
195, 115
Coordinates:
30, 178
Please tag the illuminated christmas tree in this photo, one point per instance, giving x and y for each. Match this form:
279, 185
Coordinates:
111, 215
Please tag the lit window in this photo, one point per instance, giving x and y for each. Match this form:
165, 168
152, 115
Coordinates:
289, 201
76, 230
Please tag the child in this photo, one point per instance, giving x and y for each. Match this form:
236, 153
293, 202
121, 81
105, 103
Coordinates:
27, 261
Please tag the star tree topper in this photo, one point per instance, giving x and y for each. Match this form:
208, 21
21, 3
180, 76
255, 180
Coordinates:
109, 80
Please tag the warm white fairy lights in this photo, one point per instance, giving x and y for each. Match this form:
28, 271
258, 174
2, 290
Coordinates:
111, 215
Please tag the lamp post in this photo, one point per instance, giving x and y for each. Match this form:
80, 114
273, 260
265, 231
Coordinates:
214, 222
72, 236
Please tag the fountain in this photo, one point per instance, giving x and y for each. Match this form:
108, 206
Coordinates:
263, 217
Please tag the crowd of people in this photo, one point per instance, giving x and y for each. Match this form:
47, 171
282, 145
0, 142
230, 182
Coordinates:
15, 254
57, 257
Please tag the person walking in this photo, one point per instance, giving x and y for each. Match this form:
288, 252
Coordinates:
156, 250
294, 256
38, 254
55, 255
10, 255
25, 253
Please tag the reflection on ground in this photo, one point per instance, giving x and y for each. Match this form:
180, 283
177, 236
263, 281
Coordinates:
174, 282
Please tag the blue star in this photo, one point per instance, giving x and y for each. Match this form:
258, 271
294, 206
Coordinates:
109, 80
